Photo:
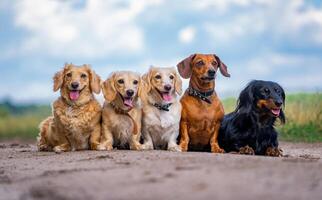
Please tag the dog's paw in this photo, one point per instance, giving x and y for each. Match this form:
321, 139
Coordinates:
104, 147
217, 149
183, 147
146, 147
136, 147
274, 151
246, 150
58, 149
174, 148
43, 147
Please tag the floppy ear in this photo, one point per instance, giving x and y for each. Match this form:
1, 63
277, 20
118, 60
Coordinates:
222, 66
184, 67
282, 115
145, 85
58, 80
108, 88
246, 99
178, 83
94, 80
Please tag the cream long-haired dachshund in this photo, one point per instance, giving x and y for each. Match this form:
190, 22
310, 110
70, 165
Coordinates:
75, 123
121, 124
161, 108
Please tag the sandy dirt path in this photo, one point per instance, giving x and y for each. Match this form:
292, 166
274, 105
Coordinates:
28, 174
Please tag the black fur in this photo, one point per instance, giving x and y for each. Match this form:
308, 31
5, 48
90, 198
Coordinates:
249, 124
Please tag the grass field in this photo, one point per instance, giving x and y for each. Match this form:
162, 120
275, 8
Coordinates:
303, 112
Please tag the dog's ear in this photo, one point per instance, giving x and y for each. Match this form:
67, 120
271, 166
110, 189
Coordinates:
58, 80
184, 67
282, 115
108, 88
145, 85
59, 77
177, 82
94, 80
222, 66
246, 98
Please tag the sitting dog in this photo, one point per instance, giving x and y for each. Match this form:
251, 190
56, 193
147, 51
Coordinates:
202, 111
121, 126
161, 109
76, 113
250, 128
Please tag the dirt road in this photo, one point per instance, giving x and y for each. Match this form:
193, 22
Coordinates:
27, 174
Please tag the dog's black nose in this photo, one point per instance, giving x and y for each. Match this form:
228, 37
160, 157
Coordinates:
167, 87
75, 85
278, 103
129, 93
211, 72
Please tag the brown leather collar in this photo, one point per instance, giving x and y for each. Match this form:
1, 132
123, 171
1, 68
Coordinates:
126, 112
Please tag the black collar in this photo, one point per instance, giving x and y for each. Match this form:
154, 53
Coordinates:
164, 107
201, 95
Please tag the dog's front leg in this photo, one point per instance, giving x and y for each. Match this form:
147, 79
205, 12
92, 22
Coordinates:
214, 140
184, 135
148, 143
172, 144
135, 142
106, 138
95, 137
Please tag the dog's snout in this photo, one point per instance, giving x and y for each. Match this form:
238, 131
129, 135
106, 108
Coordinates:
211, 72
74, 85
278, 103
167, 87
129, 93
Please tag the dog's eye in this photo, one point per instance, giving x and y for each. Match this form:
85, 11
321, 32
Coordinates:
277, 90
135, 82
171, 77
69, 74
199, 63
214, 63
121, 81
83, 76
158, 77
266, 90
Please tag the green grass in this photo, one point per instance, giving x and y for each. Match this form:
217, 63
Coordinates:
303, 113
303, 117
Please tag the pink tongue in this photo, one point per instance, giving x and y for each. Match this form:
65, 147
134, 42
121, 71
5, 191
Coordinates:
73, 95
276, 111
128, 102
166, 96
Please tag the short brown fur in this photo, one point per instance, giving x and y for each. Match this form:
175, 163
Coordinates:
200, 121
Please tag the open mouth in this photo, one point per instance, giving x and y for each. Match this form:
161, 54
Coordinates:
127, 101
276, 111
166, 96
207, 78
74, 94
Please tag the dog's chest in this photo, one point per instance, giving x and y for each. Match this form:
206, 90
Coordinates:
162, 119
78, 120
122, 129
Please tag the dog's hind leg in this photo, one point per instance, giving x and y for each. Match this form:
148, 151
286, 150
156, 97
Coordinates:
42, 139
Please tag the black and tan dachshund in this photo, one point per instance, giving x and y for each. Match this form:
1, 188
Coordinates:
250, 128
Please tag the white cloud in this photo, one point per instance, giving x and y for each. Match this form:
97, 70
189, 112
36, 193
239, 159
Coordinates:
187, 34
97, 29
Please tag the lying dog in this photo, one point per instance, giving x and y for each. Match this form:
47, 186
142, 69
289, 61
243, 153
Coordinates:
121, 126
161, 109
250, 128
76, 113
202, 110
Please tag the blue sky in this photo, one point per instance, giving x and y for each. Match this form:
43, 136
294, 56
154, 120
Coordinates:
257, 39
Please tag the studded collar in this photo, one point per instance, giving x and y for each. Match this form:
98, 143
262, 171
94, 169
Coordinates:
164, 107
201, 95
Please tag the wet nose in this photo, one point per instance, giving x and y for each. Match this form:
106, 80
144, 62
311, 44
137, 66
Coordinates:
167, 87
211, 72
75, 85
278, 103
129, 93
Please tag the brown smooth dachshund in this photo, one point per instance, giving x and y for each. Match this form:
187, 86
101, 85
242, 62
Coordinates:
202, 111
